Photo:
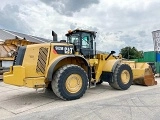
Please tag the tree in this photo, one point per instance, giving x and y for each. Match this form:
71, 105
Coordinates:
131, 53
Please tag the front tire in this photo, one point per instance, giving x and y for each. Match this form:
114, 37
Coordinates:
122, 77
70, 82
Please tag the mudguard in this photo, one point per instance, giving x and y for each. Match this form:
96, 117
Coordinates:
53, 65
110, 65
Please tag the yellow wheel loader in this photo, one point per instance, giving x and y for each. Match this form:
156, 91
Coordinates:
71, 66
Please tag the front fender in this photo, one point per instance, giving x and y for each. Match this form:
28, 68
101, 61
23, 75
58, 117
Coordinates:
110, 65
57, 60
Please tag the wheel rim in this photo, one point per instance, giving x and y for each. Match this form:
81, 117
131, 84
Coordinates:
125, 76
73, 83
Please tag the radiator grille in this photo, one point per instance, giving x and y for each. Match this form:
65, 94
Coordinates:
42, 58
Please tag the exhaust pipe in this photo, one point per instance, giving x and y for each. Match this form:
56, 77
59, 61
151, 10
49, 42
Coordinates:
54, 36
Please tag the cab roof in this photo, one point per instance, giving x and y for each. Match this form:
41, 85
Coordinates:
80, 30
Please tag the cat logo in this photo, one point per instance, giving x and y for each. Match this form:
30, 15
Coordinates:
68, 50
64, 49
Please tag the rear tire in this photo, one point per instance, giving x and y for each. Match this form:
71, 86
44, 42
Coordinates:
70, 82
122, 77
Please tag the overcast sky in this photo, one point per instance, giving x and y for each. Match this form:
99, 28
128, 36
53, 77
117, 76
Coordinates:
119, 23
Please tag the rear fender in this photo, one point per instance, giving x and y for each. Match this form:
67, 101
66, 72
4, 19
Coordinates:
55, 62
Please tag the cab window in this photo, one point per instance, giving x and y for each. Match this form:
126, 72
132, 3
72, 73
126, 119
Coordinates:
73, 39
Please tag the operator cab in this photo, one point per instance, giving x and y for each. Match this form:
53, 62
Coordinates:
83, 41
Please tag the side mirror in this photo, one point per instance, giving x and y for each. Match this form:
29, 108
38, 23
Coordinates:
113, 52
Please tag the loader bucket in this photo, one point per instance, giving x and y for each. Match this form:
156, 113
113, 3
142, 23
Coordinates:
147, 80
142, 74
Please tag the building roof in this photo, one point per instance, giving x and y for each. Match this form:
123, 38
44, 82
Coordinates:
7, 34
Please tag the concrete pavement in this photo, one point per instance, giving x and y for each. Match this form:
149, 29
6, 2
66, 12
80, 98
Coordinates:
100, 103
